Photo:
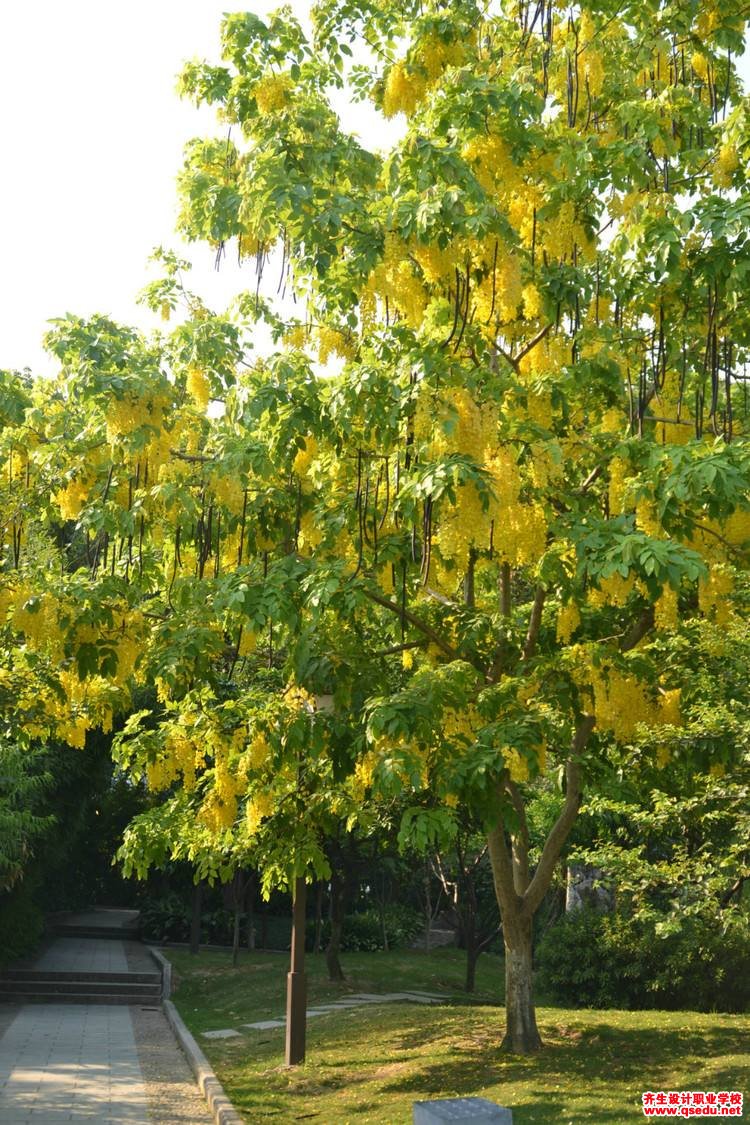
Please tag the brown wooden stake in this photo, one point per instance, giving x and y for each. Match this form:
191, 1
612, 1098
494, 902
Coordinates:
296, 984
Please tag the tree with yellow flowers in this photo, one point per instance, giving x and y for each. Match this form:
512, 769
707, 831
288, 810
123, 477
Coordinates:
493, 462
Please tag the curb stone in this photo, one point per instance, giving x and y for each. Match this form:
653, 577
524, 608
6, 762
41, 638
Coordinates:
166, 971
222, 1109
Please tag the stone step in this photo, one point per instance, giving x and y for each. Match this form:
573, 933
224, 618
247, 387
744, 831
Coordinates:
43, 997
115, 933
76, 987
438, 938
76, 975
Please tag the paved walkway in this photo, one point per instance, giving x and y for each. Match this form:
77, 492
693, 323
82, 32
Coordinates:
71, 1062
83, 955
96, 1063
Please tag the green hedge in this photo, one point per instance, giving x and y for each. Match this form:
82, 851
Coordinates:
590, 959
21, 922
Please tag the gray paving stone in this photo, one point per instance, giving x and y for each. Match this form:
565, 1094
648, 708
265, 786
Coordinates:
62, 1062
223, 1033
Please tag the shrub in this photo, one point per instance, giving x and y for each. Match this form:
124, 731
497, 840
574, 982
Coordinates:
363, 932
166, 919
590, 959
21, 922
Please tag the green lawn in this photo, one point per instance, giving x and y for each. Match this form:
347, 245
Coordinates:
370, 1064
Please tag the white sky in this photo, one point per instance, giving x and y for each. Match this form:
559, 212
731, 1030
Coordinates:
92, 134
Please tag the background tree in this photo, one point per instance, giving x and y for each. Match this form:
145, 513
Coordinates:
524, 468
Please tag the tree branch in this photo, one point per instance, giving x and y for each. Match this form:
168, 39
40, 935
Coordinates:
423, 627
502, 872
519, 840
593, 476
505, 604
561, 829
531, 345
637, 630
535, 622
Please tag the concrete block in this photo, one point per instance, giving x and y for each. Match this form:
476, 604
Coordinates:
477, 1111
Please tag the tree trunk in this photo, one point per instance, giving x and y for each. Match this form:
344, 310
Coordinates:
335, 972
236, 936
318, 916
381, 912
427, 909
519, 893
195, 921
521, 1033
250, 906
472, 957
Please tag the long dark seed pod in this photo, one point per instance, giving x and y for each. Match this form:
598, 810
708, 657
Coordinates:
465, 312
456, 309
217, 558
387, 494
242, 528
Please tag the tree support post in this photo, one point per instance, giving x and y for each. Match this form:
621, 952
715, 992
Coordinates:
296, 984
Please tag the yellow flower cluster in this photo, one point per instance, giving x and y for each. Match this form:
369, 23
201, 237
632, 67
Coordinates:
616, 493
297, 337
128, 414
646, 519
713, 594
614, 590
257, 809
666, 614
548, 357
562, 234
592, 63
310, 534
737, 527
198, 386
621, 703
272, 92
520, 530
727, 163
394, 280
460, 725
332, 340
434, 55
435, 264
228, 490
304, 457
248, 642
568, 620
516, 764
71, 499
532, 302
495, 169
258, 752
667, 405
404, 90
364, 772
16, 465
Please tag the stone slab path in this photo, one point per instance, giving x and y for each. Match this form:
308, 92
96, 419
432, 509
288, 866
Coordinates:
357, 1000
83, 955
103, 1064
71, 1062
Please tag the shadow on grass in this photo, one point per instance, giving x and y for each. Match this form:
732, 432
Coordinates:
580, 1057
